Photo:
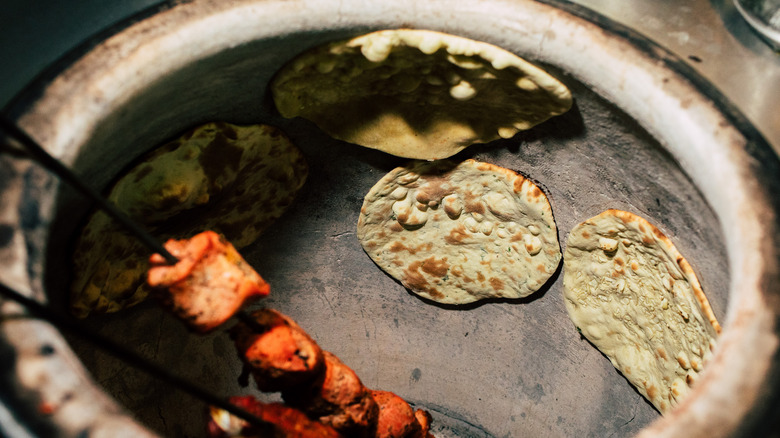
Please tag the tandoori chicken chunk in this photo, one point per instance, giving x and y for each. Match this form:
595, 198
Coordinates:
279, 354
282, 422
209, 283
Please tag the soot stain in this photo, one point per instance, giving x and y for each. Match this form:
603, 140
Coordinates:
46, 350
6, 234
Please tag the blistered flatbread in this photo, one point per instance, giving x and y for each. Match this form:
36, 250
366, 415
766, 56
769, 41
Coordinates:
235, 180
459, 233
417, 93
631, 294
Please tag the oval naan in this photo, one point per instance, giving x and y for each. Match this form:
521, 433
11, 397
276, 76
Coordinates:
459, 233
235, 180
631, 294
417, 93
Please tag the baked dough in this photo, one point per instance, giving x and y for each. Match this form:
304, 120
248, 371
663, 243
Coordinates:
417, 93
459, 233
631, 294
235, 180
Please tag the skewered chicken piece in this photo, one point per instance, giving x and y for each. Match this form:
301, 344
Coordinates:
424, 418
284, 422
397, 419
280, 355
337, 398
334, 395
208, 285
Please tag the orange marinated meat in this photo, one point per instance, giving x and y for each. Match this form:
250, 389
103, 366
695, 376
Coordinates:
424, 418
209, 283
282, 357
397, 419
280, 354
337, 398
325, 398
283, 422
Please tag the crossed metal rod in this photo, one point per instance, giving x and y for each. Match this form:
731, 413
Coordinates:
33, 150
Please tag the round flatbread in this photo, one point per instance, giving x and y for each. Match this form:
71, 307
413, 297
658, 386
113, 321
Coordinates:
631, 294
235, 180
459, 233
417, 93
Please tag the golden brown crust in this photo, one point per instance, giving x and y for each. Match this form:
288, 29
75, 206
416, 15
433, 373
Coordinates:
631, 293
628, 217
457, 233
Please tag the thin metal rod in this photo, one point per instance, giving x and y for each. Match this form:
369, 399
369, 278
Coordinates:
40, 155
55, 166
133, 359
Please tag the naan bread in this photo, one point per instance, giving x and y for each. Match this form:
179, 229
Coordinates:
235, 180
459, 233
417, 93
632, 295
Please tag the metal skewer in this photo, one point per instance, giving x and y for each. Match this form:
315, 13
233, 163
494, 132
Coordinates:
42, 157
133, 359
65, 174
